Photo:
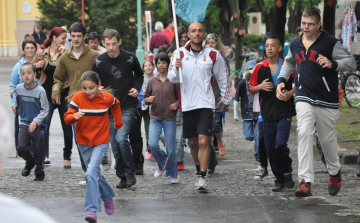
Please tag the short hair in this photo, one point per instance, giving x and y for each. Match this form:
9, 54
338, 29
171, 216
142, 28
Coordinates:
78, 27
163, 57
312, 11
29, 64
93, 35
26, 41
159, 26
26, 35
171, 49
170, 20
281, 53
163, 48
111, 33
298, 29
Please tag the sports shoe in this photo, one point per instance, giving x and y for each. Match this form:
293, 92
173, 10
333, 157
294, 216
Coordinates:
27, 169
180, 167
174, 180
82, 183
304, 189
39, 177
91, 217
222, 150
47, 160
130, 180
139, 171
148, 155
326, 169
106, 162
202, 185
335, 184
197, 179
109, 207
278, 186
263, 172
122, 183
289, 183
158, 172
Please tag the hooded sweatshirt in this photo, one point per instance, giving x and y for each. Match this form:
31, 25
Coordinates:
72, 69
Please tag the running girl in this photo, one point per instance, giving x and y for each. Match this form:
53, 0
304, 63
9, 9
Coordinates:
89, 109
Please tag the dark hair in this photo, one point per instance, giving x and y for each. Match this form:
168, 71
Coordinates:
163, 57
26, 35
78, 27
57, 31
181, 30
43, 27
111, 33
147, 60
93, 35
29, 64
170, 20
312, 11
281, 53
90, 76
163, 49
298, 29
171, 49
26, 41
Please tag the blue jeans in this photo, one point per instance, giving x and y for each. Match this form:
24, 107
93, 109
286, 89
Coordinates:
119, 139
251, 132
169, 127
83, 166
276, 136
97, 188
68, 135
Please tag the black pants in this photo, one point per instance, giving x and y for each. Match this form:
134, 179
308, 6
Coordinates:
136, 141
38, 138
262, 148
212, 156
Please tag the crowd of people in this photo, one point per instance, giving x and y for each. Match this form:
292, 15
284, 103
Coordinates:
84, 81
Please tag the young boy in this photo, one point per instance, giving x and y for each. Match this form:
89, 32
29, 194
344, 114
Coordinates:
276, 113
250, 125
32, 106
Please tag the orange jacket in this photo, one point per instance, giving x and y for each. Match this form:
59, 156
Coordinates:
93, 128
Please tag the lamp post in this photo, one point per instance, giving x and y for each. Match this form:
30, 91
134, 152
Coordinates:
139, 50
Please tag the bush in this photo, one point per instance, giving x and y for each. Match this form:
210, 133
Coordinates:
253, 40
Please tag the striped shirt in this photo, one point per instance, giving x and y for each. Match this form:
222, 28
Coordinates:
93, 128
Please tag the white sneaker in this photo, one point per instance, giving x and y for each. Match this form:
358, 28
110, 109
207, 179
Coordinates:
82, 183
197, 181
158, 173
174, 180
202, 185
47, 160
106, 162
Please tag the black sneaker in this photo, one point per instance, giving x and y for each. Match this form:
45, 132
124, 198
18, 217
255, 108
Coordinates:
212, 169
130, 180
27, 169
289, 183
122, 183
335, 184
39, 177
304, 189
263, 172
278, 186
140, 171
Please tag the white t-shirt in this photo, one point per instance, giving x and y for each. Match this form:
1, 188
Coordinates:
77, 55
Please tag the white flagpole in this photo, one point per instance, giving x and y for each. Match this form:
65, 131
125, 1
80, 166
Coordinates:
176, 37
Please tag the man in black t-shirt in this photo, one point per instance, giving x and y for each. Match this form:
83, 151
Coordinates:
121, 71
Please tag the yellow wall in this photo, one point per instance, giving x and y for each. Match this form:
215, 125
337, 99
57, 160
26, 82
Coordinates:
34, 10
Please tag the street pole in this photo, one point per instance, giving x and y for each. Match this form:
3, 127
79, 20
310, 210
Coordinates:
139, 50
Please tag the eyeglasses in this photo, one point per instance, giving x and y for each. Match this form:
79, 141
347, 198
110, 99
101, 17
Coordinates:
309, 24
212, 36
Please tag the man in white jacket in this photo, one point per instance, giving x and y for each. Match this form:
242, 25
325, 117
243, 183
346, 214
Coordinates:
199, 64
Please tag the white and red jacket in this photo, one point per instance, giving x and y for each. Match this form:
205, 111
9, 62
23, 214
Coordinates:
196, 89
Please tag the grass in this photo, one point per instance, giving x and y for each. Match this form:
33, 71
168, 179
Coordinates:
348, 123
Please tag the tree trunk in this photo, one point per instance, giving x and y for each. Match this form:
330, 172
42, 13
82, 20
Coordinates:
329, 16
225, 23
266, 15
279, 20
295, 17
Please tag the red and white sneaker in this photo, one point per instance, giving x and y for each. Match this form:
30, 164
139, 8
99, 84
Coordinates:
304, 189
